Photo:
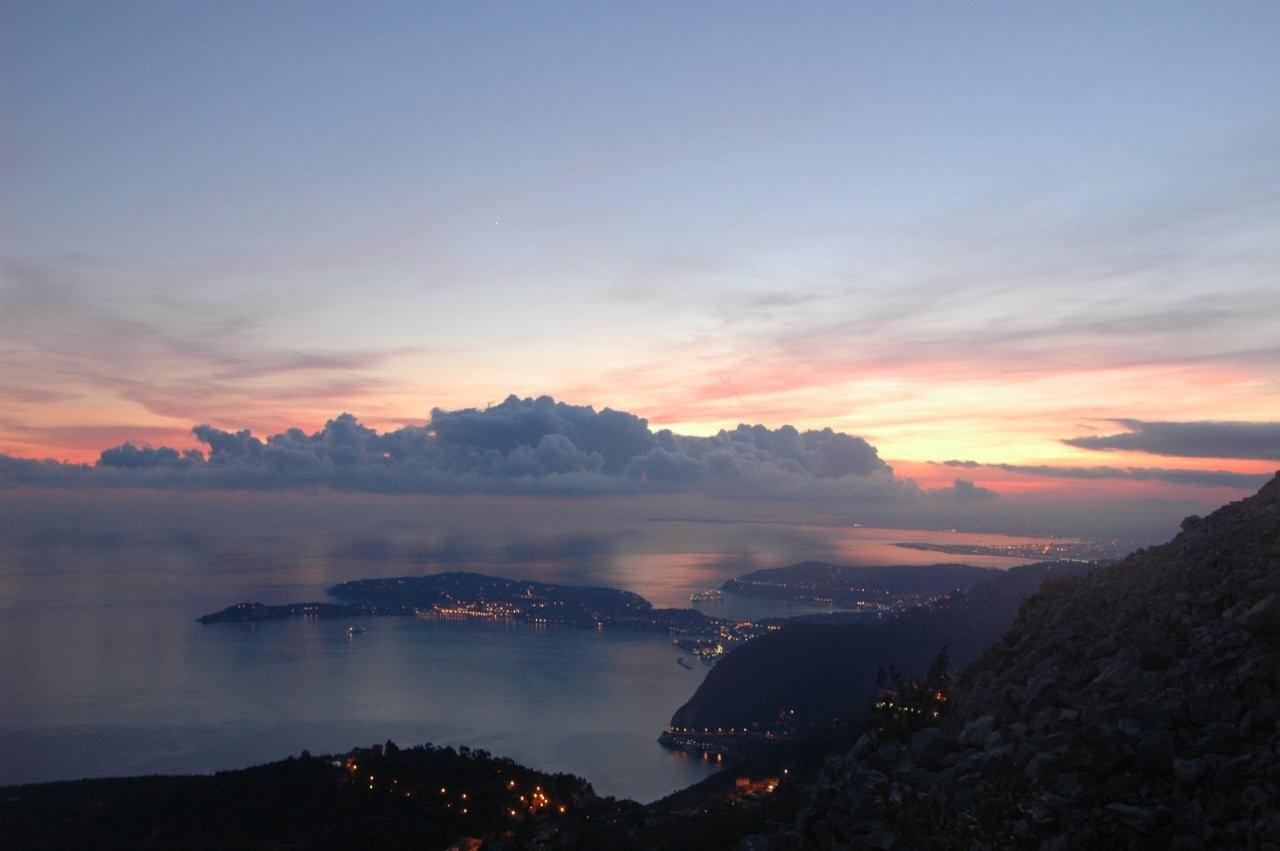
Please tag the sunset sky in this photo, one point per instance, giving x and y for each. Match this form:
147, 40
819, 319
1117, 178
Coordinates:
962, 232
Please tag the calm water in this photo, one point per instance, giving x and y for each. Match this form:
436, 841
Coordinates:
109, 674
105, 671
134, 690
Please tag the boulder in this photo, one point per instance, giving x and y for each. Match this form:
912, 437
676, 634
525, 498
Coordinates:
1189, 770
976, 731
1263, 617
1155, 752
1141, 819
1042, 768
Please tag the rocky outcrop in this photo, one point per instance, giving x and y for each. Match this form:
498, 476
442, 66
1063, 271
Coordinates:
1137, 707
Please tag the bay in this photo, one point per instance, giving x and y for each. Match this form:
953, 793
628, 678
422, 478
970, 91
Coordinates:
106, 673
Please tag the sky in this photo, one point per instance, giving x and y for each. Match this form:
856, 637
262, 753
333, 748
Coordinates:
1034, 248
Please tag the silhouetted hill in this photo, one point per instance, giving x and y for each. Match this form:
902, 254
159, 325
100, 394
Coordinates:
1138, 707
820, 671
375, 798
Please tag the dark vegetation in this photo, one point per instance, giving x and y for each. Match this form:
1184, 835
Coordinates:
904, 707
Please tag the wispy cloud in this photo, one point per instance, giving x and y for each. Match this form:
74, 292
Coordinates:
1034, 297
161, 355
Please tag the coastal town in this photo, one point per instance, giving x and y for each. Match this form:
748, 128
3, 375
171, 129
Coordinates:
849, 593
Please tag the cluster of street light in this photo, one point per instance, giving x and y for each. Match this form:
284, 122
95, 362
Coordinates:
531, 803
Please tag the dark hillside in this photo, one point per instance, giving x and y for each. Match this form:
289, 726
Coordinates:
820, 670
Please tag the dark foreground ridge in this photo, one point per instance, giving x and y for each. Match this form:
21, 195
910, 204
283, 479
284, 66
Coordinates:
1136, 708
375, 798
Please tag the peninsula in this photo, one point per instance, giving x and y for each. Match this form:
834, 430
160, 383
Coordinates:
875, 590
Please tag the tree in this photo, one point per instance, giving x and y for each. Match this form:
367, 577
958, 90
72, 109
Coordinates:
905, 706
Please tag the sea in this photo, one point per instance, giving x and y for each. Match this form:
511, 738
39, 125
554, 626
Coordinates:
105, 671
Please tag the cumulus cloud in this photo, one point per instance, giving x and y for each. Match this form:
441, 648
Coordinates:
1204, 439
1206, 478
131, 457
962, 491
520, 445
965, 490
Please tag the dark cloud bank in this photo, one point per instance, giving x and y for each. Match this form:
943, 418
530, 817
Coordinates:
1202, 478
519, 446
1209, 439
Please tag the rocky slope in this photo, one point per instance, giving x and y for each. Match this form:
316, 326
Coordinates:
1137, 707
